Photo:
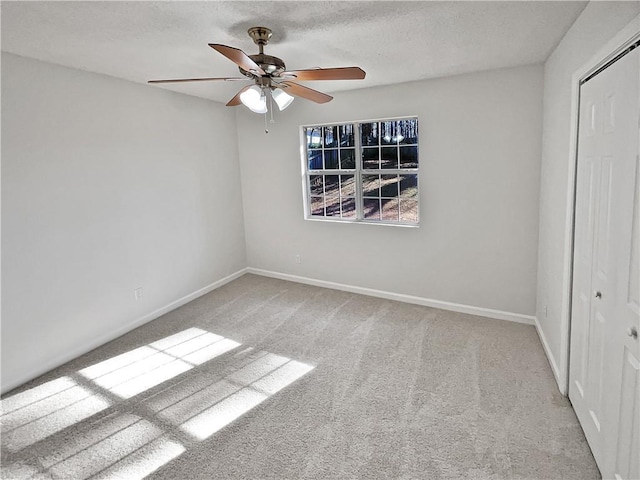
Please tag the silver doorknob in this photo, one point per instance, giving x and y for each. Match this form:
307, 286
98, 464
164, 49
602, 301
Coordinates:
598, 294
632, 332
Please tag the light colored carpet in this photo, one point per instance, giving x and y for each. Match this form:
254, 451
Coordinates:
270, 379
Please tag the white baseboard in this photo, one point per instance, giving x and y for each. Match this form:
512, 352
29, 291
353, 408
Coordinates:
427, 302
550, 357
112, 335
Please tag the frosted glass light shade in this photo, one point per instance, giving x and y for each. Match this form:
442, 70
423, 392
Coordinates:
254, 99
282, 98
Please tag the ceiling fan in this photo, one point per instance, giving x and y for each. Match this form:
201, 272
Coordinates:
270, 76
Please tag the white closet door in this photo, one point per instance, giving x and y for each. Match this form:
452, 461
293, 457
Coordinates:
604, 369
624, 441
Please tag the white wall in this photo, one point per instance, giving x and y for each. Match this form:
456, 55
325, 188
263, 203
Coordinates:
598, 23
479, 180
106, 186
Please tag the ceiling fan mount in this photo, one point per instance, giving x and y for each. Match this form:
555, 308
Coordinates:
270, 73
260, 36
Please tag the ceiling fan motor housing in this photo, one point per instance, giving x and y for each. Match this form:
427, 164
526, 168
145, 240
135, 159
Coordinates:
273, 66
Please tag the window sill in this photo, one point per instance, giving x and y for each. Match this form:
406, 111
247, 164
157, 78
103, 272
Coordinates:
363, 222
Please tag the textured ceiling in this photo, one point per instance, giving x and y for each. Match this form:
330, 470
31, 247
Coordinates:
392, 41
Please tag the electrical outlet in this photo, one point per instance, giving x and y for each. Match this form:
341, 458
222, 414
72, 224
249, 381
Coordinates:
137, 293
298, 258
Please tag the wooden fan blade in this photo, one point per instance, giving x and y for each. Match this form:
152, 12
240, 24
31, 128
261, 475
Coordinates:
207, 79
342, 73
306, 92
238, 57
236, 100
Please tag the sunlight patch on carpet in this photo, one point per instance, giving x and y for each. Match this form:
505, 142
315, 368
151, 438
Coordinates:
51, 407
120, 446
253, 384
138, 370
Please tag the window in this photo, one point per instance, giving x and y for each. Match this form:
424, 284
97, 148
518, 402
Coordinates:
362, 171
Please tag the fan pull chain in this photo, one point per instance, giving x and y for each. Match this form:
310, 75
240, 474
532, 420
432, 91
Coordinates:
266, 130
271, 106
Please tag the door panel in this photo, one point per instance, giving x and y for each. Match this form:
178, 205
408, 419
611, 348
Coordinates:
603, 237
596, 367
609, 116
628, 441
580, 344
633, 280
585, 218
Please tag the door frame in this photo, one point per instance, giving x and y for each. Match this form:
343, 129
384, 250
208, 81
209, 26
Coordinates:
622, 40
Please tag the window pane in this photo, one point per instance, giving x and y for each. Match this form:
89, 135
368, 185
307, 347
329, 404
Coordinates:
315, 159
369, 134
332, 185
389, 157
315, 185
348, 208
314, 137
408, 131
408, 185
331, 159
408, 211
330, 137
346, 136
370, 158
332, 205
347, 158
388, 133
389, 186
347, 185
371, 185
317, 206
390, 208
371, 208
408, 157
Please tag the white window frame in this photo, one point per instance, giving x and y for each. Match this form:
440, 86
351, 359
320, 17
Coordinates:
358, 172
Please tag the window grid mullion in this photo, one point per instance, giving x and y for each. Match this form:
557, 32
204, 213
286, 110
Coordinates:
358, 144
